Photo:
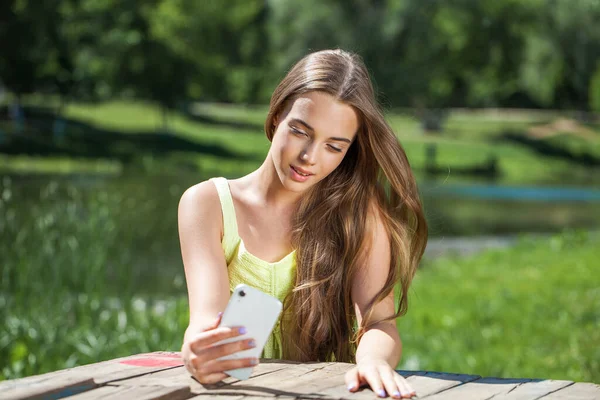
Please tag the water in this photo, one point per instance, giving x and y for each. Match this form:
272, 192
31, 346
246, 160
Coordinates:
516, 193
111, 227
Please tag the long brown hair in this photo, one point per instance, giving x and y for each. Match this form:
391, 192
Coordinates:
331, 224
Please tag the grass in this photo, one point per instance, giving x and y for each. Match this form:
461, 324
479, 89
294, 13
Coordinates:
532, 311
58, 165
87, 275
469, 138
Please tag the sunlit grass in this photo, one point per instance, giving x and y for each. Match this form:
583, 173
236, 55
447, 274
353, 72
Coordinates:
531, 311
466, 142
528, 312
58, 165
469, 138
87, 275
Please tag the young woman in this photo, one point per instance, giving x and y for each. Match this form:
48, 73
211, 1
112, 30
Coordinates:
330, 223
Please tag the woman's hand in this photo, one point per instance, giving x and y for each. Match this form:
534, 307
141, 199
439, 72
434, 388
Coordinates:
200, 353
381, 377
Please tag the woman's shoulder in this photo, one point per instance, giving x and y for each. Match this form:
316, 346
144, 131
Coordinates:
201, 198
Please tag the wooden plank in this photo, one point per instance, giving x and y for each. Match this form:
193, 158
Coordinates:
135, 392
534, 390
423, 382
577, 391
317, 383
266, 385
135, 366
429, 383
262, 398
48, 389
87, 377
263, 368
480, 389
179, 376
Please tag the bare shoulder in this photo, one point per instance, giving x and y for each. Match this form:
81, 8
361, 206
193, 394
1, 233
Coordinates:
200, 196
200, 226
200, 204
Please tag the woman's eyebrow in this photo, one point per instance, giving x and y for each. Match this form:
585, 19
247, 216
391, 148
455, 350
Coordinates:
299, 121
341, 139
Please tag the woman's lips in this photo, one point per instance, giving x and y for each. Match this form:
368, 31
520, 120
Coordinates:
302, 171
297, 174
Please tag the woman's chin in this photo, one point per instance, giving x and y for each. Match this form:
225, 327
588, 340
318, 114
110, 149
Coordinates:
294, 186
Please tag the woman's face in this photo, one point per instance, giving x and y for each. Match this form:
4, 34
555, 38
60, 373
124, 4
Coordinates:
312, 137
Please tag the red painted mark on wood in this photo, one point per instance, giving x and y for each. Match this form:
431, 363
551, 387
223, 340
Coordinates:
154, 362
171, 355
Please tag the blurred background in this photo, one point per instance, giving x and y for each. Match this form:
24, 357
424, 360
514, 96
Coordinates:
110, 109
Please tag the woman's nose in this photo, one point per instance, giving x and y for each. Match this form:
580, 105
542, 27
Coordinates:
308, 155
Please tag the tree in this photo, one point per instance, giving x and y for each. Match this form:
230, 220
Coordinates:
225, 41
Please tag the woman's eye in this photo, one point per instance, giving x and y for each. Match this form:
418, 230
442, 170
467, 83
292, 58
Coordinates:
296, 131
334, 148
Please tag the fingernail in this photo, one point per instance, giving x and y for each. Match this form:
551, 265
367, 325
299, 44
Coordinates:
352, 386
396, 394
252, 343
254, 361
242, 330
219, 315
381, 393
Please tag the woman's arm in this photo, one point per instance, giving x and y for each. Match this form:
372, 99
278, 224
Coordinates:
380, 348
200, 232
200, 222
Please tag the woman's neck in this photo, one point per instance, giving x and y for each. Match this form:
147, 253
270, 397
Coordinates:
266, 185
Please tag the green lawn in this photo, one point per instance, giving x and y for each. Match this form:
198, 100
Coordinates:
87, 275
469, 139
531, 311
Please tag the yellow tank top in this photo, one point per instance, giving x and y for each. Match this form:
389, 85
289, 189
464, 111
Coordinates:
276, 278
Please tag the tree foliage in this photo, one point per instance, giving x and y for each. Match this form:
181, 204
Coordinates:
430, 54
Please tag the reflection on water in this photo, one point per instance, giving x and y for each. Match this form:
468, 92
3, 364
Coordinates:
466, 210
514, 193
148, 204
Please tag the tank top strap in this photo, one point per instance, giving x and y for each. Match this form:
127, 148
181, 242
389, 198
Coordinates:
230, 229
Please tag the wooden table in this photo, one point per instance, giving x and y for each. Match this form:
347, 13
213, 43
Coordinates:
161, 376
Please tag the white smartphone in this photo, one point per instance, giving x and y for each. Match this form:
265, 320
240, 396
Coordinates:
257, 312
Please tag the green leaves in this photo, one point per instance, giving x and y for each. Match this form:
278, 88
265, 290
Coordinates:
421, 54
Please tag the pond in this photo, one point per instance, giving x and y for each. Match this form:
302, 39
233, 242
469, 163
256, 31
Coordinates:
83, 231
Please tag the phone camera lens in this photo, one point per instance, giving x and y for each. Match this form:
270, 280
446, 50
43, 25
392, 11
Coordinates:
242, 293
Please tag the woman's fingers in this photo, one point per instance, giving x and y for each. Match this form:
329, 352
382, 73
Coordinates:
202, 352
388, 378
382, 379
208, 369
210, 337
352, 379
214, 352
405, 389
394, 384
373, 378
210, 379
215, 324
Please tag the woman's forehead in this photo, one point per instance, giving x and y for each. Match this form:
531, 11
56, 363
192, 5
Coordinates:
324, 114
